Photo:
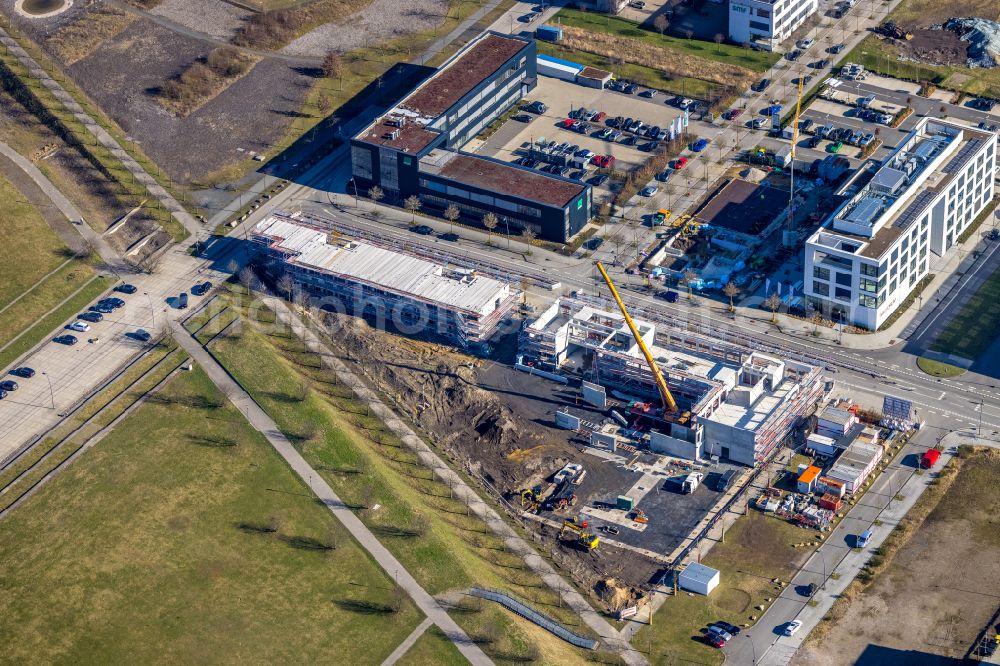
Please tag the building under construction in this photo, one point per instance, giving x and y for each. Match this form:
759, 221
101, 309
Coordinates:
412, 295
737, 406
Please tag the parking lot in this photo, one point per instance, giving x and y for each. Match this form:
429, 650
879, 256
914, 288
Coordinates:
561, 99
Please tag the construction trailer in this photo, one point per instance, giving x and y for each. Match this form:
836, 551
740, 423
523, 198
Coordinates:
731, 404
698, 578
405, 292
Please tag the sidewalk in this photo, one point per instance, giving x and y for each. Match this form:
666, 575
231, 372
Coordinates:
261, 422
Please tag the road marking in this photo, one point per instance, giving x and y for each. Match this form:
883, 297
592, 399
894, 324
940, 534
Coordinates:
943, 393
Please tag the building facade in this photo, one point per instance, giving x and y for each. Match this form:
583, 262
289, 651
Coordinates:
874, 249
416, 147
407, 293
767, 23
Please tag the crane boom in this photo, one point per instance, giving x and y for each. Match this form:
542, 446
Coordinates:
669, 404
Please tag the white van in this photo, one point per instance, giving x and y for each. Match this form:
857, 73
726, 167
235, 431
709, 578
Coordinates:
862, 539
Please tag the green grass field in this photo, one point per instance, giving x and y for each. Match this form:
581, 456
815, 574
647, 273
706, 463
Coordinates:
759, 61
976, 325
154, 548
429, 531
938, 369
433, 648
757, 549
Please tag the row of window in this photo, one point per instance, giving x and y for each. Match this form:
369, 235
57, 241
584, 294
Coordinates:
487, 199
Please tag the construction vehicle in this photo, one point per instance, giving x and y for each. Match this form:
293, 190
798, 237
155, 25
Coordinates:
669, 404
893, 30
639, 516
563, 497
661, 216
583, 537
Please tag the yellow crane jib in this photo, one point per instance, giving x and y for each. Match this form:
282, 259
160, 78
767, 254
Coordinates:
669, 404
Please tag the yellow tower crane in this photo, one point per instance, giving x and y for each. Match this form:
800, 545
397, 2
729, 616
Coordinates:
669, 404
790, 222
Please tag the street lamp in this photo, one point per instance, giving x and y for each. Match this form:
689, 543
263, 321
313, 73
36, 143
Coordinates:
52, 397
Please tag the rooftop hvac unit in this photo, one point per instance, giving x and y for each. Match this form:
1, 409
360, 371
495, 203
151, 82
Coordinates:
393, 135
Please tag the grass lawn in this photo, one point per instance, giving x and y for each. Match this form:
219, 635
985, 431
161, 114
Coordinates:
976, 326
939, 369
433, 647
416, 517
136, 553
28, 314
646, 76
757, 549
759, 61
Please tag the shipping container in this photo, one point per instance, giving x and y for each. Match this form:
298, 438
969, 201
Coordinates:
549, 33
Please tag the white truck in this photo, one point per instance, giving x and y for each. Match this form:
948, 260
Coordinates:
691, 482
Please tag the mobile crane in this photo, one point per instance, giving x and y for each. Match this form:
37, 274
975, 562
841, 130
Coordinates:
669, 404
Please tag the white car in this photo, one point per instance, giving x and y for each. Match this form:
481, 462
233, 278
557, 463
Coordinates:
79, 326
648, 191
805, 43
792, 627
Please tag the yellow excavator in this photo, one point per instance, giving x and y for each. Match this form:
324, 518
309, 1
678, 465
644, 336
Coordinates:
669, 404
583, 536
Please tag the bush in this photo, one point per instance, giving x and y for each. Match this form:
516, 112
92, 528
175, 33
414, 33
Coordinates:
227, 61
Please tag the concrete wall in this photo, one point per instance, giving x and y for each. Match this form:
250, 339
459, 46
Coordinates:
729, 442
671, 446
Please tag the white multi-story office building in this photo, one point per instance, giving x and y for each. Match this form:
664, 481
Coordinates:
767, 23
871, 252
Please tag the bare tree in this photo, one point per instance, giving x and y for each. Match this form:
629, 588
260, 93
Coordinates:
324, 104
689, 33
718, 42
528, 235
233, 266
772, 303
490, 221
452, 213
661, 23
412, 204
333, 67
689, 277
286, 285
376, 194
246, 278
817, 319
731, 291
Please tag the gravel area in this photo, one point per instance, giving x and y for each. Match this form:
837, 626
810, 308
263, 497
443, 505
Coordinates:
213, 17
123, 75
381, 20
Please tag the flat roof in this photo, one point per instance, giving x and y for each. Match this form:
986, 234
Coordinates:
411, 138
854, 461
743, 207
697, 572
440, 92
393, 271
509, 179
810, 474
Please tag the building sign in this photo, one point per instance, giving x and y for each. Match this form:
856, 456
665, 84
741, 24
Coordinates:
579, 203
897, 408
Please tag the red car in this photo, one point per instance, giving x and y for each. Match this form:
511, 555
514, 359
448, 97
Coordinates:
733, 113
599, 117
568, 123
679, 163
715, 640
603, 161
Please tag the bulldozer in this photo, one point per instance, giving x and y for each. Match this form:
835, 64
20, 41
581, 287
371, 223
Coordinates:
582, 536
639, 516
893, 30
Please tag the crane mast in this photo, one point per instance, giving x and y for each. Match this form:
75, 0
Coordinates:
669, 404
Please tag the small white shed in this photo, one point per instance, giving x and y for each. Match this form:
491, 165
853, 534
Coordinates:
698, 578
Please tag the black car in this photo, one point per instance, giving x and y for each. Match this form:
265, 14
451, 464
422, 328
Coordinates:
112, 301
599, 179
126, 289
8, 385
628, 140
793, 55
103, 308
142, 335
522, 118
805, 124
91, 316
68, 340
451, 237
536, 107
726, 627
25, 372
813, 141
836, 48
201, 289
820, 64
3, 394
761, 85
182, 301
422, 229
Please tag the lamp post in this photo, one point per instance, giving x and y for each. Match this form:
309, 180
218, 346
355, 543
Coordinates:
152, 312
52, 397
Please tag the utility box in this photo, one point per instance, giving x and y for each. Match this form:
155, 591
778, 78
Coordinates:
625, 503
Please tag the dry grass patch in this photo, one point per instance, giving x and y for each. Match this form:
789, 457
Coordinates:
205, 79
274, 29
669, 61
77, 40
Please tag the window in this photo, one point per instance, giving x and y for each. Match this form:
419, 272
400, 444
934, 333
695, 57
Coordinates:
844, 279
821, 273
763, 13
842, 294
867, 301
821, 288
869, 269
868, 285
757, 25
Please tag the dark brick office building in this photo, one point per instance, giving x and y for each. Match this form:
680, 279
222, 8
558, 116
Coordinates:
415, 148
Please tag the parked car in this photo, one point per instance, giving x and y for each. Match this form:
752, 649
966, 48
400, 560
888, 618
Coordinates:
182, 301
732, 114
68, 340
79, 326
724, 635
699, 145
805, 124
804, 79
793, 55
103, 308
3, 394
834, 147
112, 301
142, 335
679, 163
630, 89
628, 140
637, 4
201, 288
650, 93
836, 48
126, 289
536, 107
8, 385
522, 118
715, 640
792, 627
861, 541
813, 141
24, 372
599, 179
761, 85
757, 123
649, 191
90, 316
528, 18
728, 628
805, 43
609, 529
669, 296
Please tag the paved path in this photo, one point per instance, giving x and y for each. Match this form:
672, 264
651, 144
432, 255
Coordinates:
402, 648
108, 141
261, 422
66, 207
512, 540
